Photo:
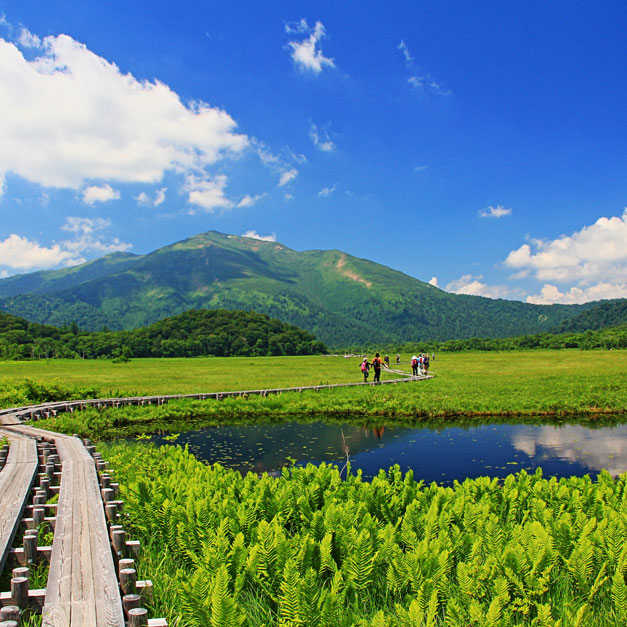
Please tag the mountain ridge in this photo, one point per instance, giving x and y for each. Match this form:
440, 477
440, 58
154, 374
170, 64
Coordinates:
342, 299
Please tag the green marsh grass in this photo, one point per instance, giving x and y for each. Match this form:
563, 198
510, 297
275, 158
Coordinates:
314, 550
534, 383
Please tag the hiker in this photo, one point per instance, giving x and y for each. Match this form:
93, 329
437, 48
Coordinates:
398, 359
386, 359
365, 369
414, 365
377, 362
425, 364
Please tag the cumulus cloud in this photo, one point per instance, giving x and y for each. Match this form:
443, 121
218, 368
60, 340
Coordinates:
595, 254
306, 53
102, 193
287, 176
434, 281
469, 284
20, 253
495, 212
207, 193
23, 255
255, 235
68, 116
321, 139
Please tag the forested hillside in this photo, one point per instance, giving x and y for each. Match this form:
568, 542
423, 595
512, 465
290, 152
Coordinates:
340, 299
606, 314
193, 333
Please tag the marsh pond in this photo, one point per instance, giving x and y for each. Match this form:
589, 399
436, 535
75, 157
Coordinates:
434, 454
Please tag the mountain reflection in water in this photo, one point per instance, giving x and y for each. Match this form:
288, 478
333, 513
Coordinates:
434, 454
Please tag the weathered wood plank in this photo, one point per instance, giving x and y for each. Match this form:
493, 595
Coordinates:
16, 479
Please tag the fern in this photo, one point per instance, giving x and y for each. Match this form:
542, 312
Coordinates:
224, 612
290, 608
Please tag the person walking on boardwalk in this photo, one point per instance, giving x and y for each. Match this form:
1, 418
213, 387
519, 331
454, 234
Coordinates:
365, 369
414, 365
398, 358
425, 364
377, 362
386, 360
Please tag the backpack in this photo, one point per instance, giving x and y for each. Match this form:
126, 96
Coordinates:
376, 362
414, 362
364, 366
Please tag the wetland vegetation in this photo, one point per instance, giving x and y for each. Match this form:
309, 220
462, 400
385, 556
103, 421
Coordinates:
318, 545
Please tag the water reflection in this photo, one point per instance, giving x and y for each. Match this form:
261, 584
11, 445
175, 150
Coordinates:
595, 448
434, 454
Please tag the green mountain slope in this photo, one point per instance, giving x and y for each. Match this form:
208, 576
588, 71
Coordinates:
339, 298
609, 313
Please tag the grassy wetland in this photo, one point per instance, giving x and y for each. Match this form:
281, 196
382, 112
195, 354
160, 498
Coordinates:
532, 384
318, 547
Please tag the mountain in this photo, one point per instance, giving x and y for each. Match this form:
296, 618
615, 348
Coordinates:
342, 299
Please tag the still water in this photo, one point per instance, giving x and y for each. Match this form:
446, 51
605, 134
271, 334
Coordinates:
442, 454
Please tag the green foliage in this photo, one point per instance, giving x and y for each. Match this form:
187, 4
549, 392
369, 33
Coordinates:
191, 334
339, 298
609, 313
30, 392
308, 549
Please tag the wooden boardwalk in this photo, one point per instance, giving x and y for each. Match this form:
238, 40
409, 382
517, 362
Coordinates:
16, 479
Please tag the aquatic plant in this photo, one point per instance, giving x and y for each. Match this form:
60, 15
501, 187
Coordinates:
311, 549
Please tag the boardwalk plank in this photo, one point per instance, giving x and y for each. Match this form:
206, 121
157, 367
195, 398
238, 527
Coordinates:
16, 479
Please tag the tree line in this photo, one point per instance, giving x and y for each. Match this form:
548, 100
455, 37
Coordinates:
195, 333
610, 338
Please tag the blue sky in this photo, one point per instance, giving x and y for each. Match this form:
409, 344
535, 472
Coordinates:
481, 146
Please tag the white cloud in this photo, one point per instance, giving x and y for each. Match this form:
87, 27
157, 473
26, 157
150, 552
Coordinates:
409, 59
595, 254
287, 176
427, 84
327, 191
321, 139
28, 40
306, 54
420, 168
160, 196
288, 197
434, 281
68, 116
208, 194
102, 193
249, 201
495, 212
255, 235
550, 294
21, 254
469, 284
144, 200
86, 239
